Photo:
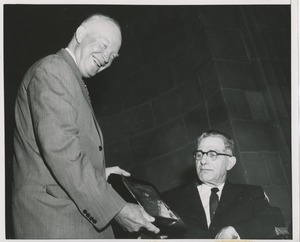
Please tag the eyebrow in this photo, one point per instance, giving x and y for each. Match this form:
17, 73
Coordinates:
114, 55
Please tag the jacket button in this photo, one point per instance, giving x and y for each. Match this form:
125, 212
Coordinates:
100, 147
88, 215
84, 211
91, 218
94, 221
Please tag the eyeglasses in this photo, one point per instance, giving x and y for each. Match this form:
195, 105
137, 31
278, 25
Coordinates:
211, 154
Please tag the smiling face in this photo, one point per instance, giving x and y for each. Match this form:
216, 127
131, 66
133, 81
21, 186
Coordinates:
98, 44
214, 173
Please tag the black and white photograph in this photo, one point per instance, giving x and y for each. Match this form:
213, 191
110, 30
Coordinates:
150, 121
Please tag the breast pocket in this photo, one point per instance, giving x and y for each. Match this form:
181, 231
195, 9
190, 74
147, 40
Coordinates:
57, 192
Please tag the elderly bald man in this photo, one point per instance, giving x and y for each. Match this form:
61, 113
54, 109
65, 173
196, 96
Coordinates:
60, 188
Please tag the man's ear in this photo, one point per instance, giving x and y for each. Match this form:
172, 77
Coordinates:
231, 163
80, 33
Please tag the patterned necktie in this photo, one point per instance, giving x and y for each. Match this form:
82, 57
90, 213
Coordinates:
213, 202
87, 91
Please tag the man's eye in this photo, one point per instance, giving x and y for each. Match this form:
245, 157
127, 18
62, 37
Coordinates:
114, 56
104, 45
212, 154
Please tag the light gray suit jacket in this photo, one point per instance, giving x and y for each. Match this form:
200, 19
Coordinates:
59, 189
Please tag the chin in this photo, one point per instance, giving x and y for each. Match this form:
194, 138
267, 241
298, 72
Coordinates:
205, 178
91, 73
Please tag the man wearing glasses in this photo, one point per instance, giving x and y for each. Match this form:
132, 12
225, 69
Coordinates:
212, 207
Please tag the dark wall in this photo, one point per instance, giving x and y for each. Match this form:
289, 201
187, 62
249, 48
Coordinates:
222, 67
181, 71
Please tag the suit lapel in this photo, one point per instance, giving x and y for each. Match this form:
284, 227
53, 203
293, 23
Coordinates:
77, 73
97, 127
196, 203
229, 194
84, 90
86, 95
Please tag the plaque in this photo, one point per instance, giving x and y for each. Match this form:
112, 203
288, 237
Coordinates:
145, 194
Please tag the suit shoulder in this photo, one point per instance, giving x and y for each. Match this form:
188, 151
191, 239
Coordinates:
248, 189
179, 192
52, 70
47, 63
54, 65
248, 186
53, 59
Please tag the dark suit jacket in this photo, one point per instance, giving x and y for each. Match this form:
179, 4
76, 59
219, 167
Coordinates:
60, 188
242, 206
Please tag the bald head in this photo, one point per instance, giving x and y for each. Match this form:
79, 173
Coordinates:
99, 17
96, 44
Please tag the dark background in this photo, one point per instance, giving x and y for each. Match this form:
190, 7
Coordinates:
182, 70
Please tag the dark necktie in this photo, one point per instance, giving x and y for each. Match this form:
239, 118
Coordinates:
213, 202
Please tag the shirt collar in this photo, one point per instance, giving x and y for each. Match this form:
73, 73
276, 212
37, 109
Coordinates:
207, 187
71, 53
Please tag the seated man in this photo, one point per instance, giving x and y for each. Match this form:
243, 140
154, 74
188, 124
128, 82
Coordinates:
212, 207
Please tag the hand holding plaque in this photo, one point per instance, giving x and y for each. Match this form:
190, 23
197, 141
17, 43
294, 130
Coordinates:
133, 217
145, 194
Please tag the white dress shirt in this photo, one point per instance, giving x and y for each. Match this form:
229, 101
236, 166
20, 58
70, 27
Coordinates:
204, 193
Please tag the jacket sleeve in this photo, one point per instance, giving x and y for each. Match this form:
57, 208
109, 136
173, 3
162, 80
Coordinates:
264, 218
52, 98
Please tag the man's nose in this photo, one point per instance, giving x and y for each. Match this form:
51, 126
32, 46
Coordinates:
204, 159
105, 57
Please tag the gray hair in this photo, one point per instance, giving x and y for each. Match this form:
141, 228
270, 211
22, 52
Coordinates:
228, 141
97, 17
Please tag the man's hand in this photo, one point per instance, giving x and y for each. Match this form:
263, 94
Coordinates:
133, 217
227, 233
116, 170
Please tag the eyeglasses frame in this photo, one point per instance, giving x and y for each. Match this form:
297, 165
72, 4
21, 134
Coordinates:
206, 153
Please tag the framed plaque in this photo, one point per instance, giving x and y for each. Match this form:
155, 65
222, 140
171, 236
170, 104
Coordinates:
145, 194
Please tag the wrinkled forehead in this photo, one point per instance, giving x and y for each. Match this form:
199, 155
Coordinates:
103, 26
106, 30
212, 142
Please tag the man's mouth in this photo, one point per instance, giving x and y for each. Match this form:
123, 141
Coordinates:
96, 61
202, 169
